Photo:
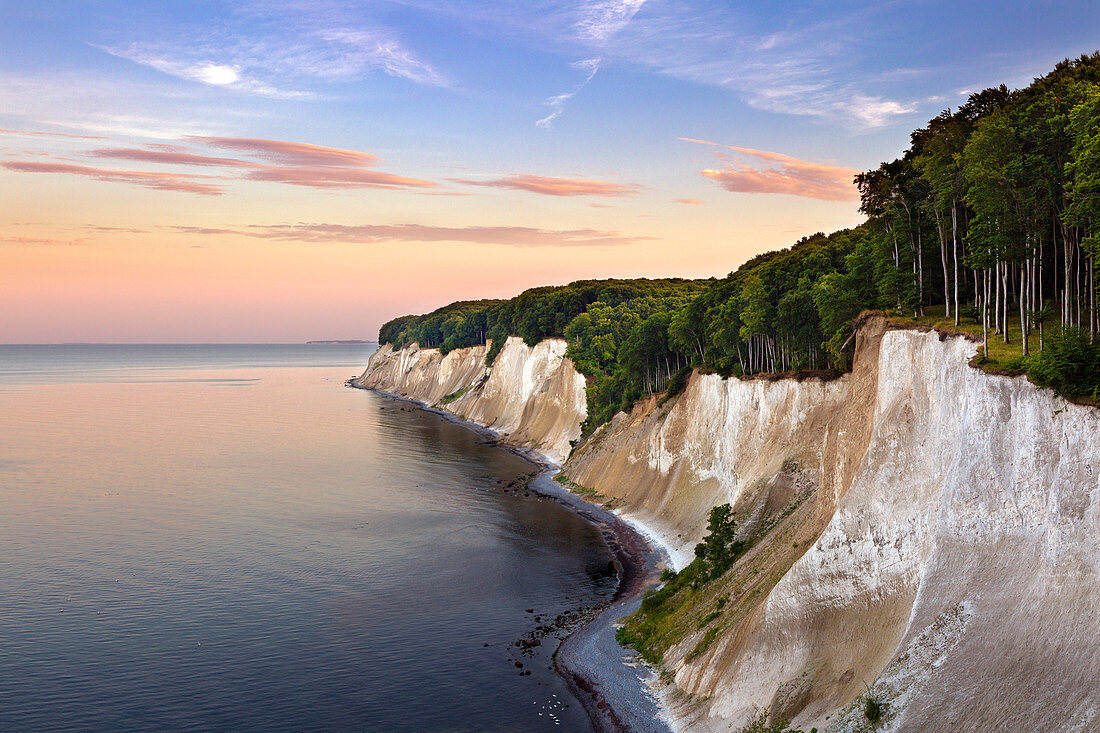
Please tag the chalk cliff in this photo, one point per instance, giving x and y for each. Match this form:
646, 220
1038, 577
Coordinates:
930, 533
531, 396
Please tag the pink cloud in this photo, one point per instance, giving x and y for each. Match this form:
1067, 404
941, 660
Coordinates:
376, 233
285, 152
701, 142
295, 164
290, 163
161, 181
559, 186
332, 177
693, 202
762, 171
169, 155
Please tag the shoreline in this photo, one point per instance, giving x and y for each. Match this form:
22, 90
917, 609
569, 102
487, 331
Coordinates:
609, 681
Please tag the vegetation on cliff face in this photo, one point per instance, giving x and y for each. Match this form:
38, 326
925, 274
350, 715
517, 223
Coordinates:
989, 221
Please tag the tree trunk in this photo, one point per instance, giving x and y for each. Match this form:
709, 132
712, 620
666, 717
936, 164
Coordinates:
985, 317
1023, 312
955, 254
943, 262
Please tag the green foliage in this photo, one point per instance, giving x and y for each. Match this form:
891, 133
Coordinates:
448, 399
873, 709
720, 547
657, 605
628, 638
1070, 364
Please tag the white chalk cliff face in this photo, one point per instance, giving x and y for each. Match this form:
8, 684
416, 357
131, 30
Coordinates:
930, 531
531, 396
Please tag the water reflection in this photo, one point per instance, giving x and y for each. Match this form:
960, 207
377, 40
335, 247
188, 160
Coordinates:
291, 556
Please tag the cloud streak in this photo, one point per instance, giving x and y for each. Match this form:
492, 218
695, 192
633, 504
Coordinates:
38, 133
167, 157
762, 171
46, 241
160, 181
280, 161
557, 102
558, 186
333, 177
292, 153
512, 236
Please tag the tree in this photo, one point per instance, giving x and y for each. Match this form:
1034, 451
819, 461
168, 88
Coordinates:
720, 547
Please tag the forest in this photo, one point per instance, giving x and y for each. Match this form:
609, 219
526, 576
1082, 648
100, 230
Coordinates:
989, 223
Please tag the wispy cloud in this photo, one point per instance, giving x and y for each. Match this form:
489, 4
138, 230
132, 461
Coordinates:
692, 202
267, 48
183, 63
557, 102
363, 49
597, 21
762, 171
161, 181
602, 19
558, 186
809, 66
512, 236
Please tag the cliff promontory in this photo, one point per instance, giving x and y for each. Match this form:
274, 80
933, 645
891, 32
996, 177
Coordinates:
921, 534
531, 396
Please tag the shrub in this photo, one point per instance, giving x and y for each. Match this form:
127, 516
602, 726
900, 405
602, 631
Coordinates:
873, 709
676, 383
1069, 364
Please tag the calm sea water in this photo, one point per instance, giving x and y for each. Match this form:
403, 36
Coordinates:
228, 538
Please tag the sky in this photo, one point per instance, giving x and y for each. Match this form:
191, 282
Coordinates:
277, 171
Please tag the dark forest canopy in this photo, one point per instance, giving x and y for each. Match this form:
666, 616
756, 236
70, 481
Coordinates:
991, 217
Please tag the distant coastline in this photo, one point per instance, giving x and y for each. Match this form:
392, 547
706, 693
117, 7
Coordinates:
341, 341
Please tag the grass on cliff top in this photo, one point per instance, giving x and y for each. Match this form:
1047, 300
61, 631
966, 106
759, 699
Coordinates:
1069, 367
1002, 357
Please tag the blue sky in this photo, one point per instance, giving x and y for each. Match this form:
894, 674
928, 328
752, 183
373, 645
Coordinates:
623, 130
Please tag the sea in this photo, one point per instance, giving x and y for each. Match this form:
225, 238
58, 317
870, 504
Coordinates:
228, 538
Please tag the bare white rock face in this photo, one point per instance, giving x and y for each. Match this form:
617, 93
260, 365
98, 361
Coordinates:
977, 498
